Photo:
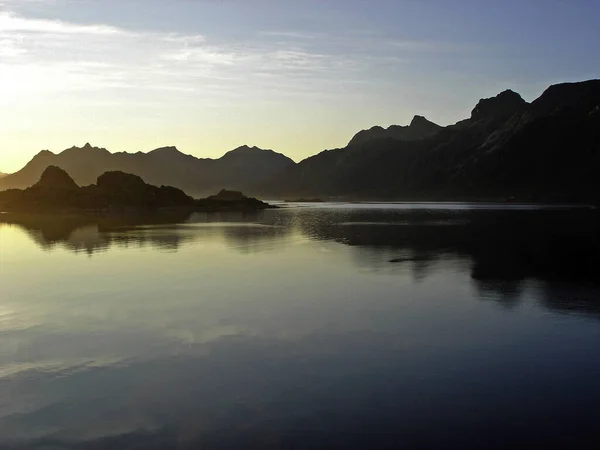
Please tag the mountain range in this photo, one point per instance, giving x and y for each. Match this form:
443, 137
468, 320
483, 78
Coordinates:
546, 150
237, 169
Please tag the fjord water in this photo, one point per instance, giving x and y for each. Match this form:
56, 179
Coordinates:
319, 326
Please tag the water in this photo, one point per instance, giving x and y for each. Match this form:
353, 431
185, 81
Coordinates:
314, 326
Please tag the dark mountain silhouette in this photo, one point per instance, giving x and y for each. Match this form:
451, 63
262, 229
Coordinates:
113, 192
548, 150
238, 169
54, 178
56, 191
419, 128
230, 201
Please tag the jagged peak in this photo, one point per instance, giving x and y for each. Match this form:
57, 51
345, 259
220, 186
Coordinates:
421, 120
505, 103
87, 148
44, 153
419, 128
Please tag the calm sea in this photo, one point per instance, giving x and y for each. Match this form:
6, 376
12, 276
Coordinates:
308, 327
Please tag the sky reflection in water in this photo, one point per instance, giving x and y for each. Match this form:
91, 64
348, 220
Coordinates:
300, 328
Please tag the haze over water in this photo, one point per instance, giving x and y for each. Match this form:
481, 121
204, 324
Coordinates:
305, 327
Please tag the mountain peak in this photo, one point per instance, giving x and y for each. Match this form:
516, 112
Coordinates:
54, 177
44, 154
169, 150
255, 157
87, 148
425, 127
245, 148
419, 128
502, 105
583, 96
417, 120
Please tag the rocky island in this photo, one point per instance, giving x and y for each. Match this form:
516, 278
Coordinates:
114, 192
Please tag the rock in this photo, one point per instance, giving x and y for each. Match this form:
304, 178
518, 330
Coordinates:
228, 196
55, 178
501, 106
116, 180
419, 128
577, 97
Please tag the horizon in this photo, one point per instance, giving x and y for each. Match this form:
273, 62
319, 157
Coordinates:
210, 77
225, 152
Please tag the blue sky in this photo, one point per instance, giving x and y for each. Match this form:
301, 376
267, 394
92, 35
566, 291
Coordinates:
298, 77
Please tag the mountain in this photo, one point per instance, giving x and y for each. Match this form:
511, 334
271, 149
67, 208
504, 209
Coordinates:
113, 192
2, 175
547, 150
57, 191
419, 128
238, 170
54, 178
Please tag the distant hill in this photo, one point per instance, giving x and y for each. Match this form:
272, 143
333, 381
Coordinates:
57, 192
547, 150
237, 170
2, 175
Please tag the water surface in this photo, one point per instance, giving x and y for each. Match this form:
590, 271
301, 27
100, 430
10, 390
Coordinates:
312, 326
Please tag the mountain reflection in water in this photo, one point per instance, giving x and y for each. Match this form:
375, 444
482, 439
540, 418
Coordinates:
308, 327
501, 244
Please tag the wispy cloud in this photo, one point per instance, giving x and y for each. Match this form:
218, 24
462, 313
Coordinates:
10, 22
38, 55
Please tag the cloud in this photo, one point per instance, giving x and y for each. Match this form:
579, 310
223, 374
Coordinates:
44, 56
10, 47
10, 22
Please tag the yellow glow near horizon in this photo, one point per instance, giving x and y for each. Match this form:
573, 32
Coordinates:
63, 84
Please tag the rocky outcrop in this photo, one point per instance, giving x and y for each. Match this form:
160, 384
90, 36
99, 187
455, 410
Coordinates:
55, 178
502, 106
56, 191
419, 128
575, 98
114, 192
120, 182
119, 189
227, 196
230, 201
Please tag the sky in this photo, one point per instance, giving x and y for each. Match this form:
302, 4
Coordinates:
297, 77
